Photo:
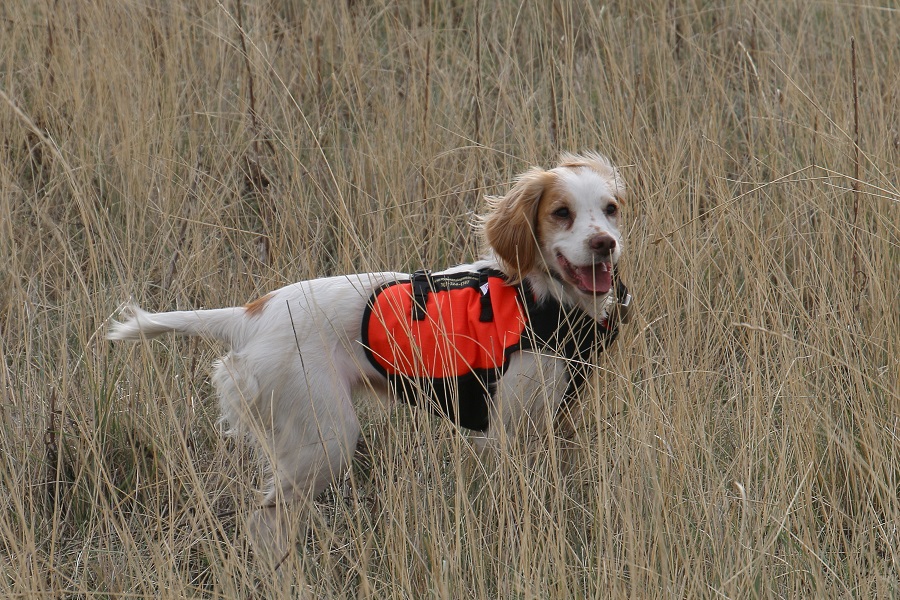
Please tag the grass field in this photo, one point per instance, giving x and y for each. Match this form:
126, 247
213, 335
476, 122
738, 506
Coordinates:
742, 440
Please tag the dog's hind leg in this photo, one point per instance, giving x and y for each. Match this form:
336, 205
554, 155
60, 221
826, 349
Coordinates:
309, 439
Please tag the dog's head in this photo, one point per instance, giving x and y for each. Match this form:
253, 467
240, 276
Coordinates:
563, 222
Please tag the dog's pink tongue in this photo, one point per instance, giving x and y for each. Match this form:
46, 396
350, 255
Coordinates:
596, 279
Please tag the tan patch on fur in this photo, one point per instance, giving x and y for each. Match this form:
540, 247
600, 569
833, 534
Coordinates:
256, 307
509, 227
552, 200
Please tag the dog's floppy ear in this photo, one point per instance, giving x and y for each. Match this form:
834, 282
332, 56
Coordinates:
509, 227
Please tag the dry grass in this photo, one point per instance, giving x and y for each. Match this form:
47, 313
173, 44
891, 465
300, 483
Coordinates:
743, 437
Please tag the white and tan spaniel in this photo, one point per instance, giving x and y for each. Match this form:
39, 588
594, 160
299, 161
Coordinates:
297, 354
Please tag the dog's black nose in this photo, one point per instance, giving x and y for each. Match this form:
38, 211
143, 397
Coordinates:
602, 243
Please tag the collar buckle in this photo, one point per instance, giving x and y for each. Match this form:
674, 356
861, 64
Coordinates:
621, 311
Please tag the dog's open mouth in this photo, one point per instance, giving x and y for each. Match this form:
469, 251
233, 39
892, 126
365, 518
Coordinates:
592, 279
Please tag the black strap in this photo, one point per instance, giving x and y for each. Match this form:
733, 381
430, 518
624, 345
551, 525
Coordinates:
487, 309
421, 286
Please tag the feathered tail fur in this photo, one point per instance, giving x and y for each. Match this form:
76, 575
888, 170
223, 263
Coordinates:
220, 323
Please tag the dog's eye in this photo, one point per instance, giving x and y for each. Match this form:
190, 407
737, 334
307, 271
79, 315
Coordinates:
611, 210
562, 213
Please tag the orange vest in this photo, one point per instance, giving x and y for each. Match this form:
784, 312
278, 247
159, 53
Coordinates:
453, 335
447, 338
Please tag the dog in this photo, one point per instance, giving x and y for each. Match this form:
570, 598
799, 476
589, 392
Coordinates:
298, 353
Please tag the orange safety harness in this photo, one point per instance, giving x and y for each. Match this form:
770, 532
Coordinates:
447, 338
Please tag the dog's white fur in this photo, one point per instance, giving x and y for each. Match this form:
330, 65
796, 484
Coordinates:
296, 354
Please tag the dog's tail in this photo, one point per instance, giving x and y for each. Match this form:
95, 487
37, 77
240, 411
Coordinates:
220, 323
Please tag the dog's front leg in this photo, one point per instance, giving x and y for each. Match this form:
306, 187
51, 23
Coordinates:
526, 399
